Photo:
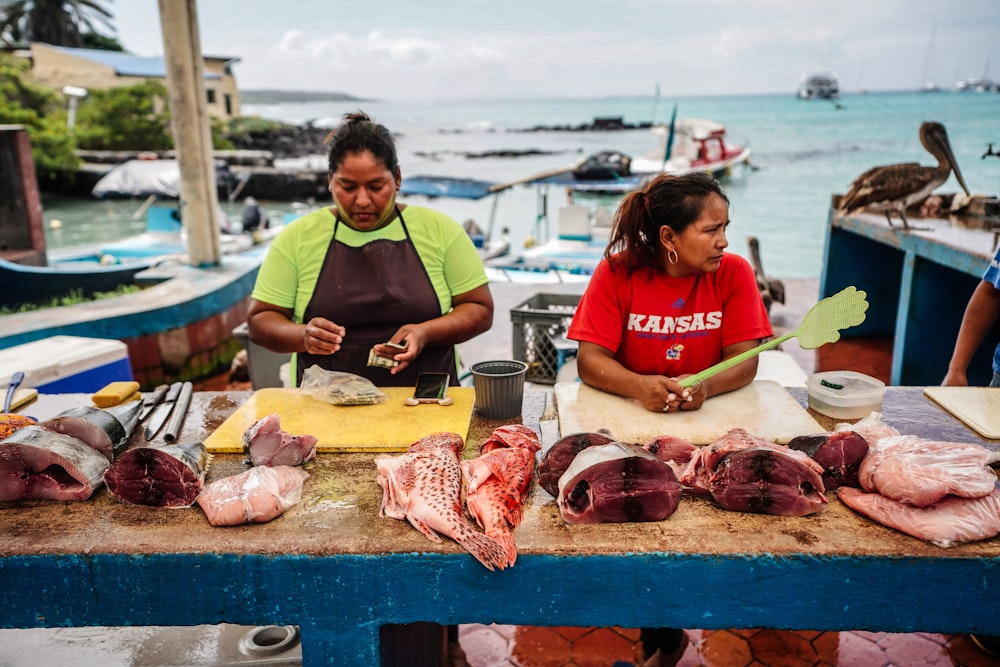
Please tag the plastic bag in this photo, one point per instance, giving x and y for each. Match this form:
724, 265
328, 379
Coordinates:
339, 388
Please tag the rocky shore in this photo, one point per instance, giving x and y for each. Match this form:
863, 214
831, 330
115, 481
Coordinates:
252, 161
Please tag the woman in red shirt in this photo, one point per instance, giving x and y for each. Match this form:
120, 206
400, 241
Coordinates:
666, 302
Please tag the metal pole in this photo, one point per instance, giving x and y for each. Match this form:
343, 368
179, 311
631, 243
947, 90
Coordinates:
199, 203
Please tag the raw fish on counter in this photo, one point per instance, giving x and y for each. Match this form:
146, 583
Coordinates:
424, 486
108, 430
38, 463
616, 483
950, 521
768, 479
498, 482
254, 496
840, 453
921, 472
267, 445
560, 455
159, 475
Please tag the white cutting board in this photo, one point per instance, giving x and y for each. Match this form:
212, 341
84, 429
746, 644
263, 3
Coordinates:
977, 407
763, 408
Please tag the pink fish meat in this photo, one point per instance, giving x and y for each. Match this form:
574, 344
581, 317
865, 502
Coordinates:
921, 472
254, 496
424, 486
38, 463
498, 482
946, 523
267, 445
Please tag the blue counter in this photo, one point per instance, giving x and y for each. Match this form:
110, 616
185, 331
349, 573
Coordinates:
333, 567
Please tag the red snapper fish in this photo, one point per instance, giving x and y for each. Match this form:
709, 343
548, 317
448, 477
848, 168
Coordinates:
424, 486
498, 482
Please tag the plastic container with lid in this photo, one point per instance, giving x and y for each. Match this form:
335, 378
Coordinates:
845, 394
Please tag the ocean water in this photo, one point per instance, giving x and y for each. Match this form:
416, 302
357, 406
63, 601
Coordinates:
803, 152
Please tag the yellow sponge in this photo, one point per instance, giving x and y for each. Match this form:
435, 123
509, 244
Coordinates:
115, 393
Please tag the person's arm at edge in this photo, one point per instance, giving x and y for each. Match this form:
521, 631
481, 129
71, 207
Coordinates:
980, 314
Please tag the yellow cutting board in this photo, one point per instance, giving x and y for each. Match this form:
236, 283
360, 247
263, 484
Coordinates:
391, 426
977, 407
763, 408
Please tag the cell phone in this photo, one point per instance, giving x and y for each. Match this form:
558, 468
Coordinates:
431, 387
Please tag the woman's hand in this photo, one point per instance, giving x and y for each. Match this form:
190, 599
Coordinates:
414, 337
694, 397
321, 336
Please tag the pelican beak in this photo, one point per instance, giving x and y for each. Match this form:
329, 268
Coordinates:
946, 147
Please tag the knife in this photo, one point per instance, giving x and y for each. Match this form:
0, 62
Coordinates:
162, 411
152, 400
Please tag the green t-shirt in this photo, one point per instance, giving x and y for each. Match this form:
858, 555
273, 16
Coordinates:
288, 275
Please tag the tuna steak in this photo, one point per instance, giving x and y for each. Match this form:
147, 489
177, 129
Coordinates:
424, 486
265, 444
840, 453
254, 496
617, 483
37, 463
159, 475
498, 482
697, 475
560, 455
767, 481
921, 472
951, 521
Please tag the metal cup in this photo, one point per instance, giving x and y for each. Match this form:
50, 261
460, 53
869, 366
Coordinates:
499, 388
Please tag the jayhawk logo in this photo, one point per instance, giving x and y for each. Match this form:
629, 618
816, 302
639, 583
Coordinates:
674, 351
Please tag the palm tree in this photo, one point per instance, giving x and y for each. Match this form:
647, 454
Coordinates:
58, 22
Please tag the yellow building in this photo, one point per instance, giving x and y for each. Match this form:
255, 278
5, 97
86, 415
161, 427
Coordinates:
59, 66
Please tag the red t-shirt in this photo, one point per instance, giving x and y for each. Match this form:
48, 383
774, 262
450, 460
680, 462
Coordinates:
660, 325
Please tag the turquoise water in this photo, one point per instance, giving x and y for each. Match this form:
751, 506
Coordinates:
804, 151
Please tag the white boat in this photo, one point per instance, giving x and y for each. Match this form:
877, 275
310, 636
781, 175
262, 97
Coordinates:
819, 86
692, 144
685, 145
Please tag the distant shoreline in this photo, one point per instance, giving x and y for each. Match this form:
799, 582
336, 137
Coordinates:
272, 96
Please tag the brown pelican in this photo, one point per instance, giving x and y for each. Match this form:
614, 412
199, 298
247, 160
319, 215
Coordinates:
893, 187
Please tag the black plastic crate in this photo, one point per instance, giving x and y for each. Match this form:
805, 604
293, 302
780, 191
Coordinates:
540, 326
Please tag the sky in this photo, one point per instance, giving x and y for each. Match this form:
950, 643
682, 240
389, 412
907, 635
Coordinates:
419, 50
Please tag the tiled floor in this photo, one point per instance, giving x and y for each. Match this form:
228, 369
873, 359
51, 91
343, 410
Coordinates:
524, 646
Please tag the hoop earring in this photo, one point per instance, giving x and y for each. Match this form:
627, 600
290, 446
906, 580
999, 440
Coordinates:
672, 256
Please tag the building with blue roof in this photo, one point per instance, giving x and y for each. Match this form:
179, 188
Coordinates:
60, 66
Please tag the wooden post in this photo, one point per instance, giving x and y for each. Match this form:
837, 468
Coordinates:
199, 203
22, 237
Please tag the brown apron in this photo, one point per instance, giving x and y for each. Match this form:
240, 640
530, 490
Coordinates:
371, 291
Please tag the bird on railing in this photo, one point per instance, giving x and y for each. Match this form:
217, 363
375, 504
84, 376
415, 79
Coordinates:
894, 187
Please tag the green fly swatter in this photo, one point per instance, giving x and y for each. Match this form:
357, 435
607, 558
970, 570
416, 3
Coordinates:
821, 325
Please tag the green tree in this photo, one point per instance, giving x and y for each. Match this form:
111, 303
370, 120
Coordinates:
40, 110
125, 118
58, 22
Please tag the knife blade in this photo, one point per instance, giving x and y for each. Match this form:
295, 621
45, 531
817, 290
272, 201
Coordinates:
162, 411
152, 400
